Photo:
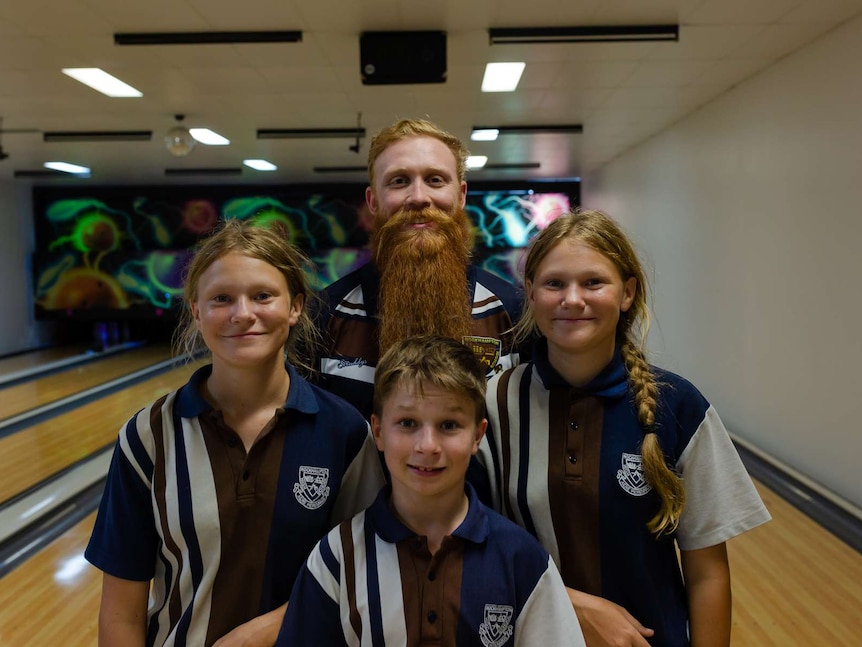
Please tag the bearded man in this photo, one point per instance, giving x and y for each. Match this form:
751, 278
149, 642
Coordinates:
419, 280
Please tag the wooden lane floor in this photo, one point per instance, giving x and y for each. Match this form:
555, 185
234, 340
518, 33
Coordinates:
793, 584
44, 390
53, 598
36, 358
38, 452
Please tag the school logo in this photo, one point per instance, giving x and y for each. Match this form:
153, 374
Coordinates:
631, 476
487, 350
312, 489
496, 630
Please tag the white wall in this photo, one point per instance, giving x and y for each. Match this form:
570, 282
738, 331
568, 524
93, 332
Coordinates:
18, 330
750, 211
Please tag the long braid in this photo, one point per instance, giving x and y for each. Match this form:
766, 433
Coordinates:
666, 482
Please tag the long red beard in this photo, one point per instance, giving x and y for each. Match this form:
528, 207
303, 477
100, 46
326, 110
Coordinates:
423, 275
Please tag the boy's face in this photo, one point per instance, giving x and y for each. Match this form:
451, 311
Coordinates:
427, 440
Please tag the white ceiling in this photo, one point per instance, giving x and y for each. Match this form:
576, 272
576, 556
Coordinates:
622, 93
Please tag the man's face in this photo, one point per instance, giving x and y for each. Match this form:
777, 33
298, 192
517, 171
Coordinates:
415, 173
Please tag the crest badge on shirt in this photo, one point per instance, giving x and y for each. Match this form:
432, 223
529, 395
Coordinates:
312, 487
487, 350
496, 629
631, 477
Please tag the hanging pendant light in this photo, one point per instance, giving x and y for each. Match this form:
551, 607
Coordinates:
179, 140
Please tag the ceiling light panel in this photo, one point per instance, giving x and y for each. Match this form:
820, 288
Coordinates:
260, 165
476, 161
66, 167
101, 81
484, 134
502, 77
208, 137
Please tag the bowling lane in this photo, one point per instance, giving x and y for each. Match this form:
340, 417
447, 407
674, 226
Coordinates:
35, 393
40, 451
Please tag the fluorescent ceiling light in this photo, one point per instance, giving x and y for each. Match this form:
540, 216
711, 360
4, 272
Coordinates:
208, 137
502, 77
65, 167
260, 165
485, 134
476, 161
591, 34
102, 81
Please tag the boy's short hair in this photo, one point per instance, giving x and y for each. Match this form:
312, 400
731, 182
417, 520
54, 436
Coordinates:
441, 361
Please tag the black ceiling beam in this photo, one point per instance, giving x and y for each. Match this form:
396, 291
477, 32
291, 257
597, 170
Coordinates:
207, 37
586, 34
98, 136
309, 133
534, 130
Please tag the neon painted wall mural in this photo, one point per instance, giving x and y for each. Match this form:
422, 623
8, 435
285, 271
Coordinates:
115, 253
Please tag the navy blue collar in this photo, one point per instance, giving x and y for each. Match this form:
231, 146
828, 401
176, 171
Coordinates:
611, 382
474, 528
191, 403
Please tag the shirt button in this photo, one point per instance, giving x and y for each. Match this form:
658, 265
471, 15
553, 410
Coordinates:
245, 475
573, 425
432, 576
432, 617
232, 442
573, 459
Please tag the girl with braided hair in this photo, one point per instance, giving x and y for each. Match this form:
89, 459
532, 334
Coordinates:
610, 462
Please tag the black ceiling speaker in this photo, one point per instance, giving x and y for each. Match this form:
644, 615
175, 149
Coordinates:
401, 57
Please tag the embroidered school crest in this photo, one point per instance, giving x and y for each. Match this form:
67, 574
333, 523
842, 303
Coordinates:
487, 350
631, 476
312, 489
496, 630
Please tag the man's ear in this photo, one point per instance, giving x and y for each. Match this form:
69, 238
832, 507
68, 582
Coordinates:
371, 200
463, 193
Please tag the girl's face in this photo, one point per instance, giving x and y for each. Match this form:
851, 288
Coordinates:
576, 296
244, 311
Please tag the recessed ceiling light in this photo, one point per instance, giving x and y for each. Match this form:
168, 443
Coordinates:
485, 135
208, 137
260, 165
102, 81
65, 167
502, 77
476, 161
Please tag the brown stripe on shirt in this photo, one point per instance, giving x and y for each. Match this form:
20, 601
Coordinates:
354, 338
505, 474
574, 451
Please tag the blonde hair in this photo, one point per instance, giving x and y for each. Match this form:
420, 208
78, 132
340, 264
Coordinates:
416, 128
434, 359
271, 245
600, 232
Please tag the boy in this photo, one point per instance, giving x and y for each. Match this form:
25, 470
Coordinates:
427, 563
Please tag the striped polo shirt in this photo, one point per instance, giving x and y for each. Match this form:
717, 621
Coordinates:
372, 581
565, 464
222, 533
349, 323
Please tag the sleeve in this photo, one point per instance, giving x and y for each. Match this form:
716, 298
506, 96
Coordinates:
362, 480
313, 615
721, 500
548, 617
124, 542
